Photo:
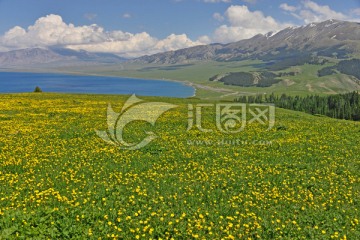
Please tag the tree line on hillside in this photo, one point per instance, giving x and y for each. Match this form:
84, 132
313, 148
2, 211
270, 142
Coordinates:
295, 60
341, 106
349, 67
248, 79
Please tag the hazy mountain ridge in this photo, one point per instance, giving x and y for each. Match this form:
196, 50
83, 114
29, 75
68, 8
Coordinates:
30, 56
61, 56
199, 53
327, 38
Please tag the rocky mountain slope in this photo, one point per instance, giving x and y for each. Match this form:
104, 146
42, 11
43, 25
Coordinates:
39, 56
331, 38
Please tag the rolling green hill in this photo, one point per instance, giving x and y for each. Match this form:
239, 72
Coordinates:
295, 80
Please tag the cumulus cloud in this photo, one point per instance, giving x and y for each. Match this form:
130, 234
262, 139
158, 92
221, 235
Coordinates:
310, 11
250, 1
133, 45
237, 23
356, 11
218, 17
53, 31
243, 24
287, 7
205, 39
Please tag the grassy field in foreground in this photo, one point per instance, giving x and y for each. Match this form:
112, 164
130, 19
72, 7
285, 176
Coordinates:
59, 180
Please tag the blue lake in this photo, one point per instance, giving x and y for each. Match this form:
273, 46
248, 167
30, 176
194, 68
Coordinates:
18, 82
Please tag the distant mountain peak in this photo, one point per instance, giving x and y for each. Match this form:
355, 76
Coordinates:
53, 55
327, 38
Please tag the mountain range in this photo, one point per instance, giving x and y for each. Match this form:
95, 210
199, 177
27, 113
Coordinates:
55, 56
330, 38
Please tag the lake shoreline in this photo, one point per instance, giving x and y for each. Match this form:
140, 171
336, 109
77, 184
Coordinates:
123, 80
42, 71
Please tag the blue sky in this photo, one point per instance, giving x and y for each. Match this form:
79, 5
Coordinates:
163, 24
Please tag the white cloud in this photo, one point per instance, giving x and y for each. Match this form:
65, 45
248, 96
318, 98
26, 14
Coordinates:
134, 45
204, 39
218, 17
243, 24
286, 7
250, 1
126, 15
238, 22
356, 11
310, 11
53, 31
316, 13
90, 16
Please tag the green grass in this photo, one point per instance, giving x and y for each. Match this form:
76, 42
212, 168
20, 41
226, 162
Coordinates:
305, 83
198, 72
59, 180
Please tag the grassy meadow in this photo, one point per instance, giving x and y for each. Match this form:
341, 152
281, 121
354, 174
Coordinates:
304, 83
59, 180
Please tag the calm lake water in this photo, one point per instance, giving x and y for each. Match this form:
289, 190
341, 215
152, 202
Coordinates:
14, 82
